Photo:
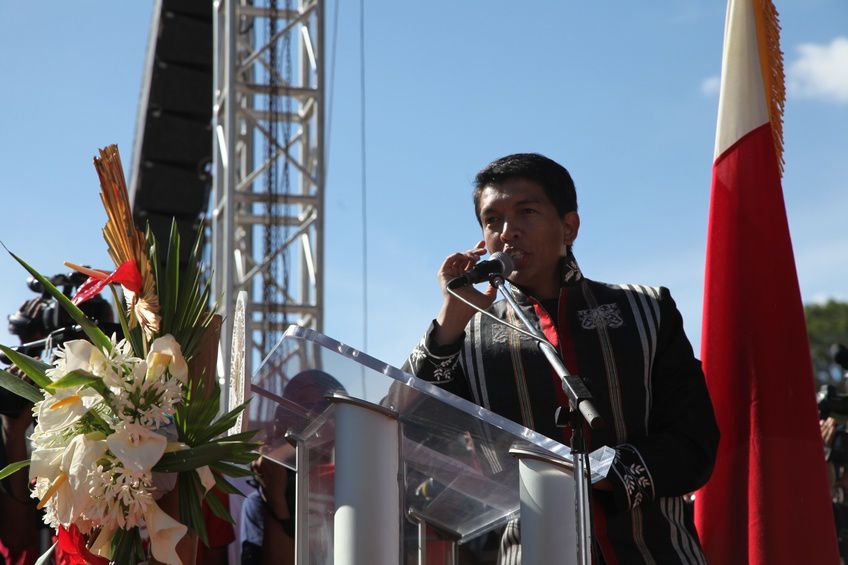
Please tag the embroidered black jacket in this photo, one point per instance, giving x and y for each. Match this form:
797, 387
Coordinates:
629, 347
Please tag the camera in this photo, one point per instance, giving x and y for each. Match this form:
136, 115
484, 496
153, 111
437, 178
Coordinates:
41, 323
831, 402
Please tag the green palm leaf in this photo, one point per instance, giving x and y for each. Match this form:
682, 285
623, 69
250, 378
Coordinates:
94, 333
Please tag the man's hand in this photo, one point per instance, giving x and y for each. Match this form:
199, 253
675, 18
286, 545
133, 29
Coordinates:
828, 429
455, 314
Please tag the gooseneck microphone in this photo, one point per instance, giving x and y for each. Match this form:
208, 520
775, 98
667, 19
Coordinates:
498, 264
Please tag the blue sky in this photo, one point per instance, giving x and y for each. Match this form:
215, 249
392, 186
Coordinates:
623, 94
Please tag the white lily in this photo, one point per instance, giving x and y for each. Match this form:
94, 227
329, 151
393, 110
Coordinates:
51, 496
45, 462
164, 353
59, 411
137, 447
165, 533
102, 546
81, 354
79, 459
62, 479
98, 364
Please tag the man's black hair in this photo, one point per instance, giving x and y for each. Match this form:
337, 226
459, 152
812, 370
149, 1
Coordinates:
547, 173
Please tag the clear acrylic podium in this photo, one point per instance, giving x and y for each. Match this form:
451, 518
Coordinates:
392, 469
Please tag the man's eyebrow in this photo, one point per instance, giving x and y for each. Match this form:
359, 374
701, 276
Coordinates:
522, 202
529, 200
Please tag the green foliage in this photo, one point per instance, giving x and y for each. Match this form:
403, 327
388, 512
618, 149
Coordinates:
78, 378
94, 333
196, 417
826, 324
13, 468
127, 547
185, 311
207, 454
134, 336
217, 507
20, 387
33, 368
191, 513
200, 427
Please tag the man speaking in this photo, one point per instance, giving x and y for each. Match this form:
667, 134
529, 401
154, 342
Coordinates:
625, 341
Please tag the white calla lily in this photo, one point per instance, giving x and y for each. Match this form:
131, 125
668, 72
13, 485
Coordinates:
166, 353
165, 533
45, 462
79, 459
60, 496
138, 448
82, 355
102, 546
59, 411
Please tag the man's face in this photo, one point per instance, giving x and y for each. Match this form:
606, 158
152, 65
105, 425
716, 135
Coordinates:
519, 219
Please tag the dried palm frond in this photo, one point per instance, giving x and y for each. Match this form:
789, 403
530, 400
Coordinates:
126, 242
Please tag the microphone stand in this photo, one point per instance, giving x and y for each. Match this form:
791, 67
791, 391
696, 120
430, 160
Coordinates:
580, 398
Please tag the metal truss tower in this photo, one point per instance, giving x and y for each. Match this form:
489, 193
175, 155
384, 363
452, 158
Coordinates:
267, 203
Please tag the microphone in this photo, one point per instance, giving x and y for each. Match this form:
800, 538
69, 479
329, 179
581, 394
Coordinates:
499, 264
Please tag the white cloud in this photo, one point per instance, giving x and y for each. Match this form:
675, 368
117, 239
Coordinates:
822, 298
821, 71
710, 85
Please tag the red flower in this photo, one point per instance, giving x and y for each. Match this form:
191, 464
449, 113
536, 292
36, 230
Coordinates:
127, 275
71, 548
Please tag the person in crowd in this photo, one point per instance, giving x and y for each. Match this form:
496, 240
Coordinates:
626, 342
19, 536
837, 479
268, 514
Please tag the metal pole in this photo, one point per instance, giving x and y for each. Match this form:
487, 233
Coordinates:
582, 484
422, 542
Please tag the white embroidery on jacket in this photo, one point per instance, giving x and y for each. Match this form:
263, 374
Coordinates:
635, 481
605, 315
444, 369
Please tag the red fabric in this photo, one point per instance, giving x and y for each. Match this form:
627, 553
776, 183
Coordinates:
26, 556
566, 348
568, 352
220, 532
768, 499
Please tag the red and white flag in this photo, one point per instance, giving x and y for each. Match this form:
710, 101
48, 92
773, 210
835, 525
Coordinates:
768, 500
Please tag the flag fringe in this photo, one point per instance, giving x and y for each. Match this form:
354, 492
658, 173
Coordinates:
771, 66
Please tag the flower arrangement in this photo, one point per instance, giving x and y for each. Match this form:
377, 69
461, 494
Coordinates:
122, 423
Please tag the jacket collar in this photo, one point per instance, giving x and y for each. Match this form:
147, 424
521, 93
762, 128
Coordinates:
570, 275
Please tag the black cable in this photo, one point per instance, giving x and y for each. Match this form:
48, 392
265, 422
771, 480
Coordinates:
331, 84
270, 232
364, 176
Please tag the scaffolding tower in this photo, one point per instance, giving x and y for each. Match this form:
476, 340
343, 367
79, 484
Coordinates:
267, 206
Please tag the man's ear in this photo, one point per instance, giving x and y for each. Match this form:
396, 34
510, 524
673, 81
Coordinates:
571, 225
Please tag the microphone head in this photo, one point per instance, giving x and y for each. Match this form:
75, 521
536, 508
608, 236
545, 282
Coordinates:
505, 260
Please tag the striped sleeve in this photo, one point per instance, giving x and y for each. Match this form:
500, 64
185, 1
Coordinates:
677, 453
